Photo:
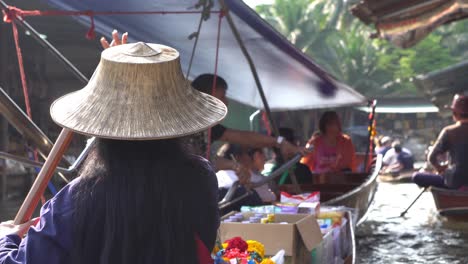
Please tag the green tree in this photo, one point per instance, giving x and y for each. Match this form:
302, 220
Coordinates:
332, 37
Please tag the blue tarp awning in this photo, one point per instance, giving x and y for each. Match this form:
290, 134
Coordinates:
291, 80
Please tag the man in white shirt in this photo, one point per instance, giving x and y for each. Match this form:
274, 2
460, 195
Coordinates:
397, 159
254, 159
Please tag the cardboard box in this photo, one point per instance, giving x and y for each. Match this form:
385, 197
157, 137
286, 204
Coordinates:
298, 237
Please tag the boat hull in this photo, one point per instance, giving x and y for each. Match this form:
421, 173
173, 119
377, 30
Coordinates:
452, 204
353, 190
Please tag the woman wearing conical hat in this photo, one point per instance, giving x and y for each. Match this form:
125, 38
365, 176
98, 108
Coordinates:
140, 197
204, 83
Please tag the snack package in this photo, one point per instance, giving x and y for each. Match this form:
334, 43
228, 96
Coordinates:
309, 208
336, 217
300, 198
287, 208
266, 209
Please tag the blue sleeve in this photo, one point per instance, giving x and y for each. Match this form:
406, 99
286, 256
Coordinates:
48, 242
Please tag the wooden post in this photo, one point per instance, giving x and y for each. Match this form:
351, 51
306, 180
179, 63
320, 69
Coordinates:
32, 199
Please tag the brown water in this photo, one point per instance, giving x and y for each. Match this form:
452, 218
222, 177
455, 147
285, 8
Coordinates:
421, 237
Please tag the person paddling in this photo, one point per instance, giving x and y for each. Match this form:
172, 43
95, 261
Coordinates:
140, 197
452, 139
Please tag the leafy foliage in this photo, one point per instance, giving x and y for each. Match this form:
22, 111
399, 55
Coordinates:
327, 32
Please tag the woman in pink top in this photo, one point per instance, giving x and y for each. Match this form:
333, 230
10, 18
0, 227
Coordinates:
333, 150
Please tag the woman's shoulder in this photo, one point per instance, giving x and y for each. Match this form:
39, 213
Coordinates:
63, 201
316, 139
201, 163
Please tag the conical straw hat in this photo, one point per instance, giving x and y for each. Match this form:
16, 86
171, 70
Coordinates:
138, 92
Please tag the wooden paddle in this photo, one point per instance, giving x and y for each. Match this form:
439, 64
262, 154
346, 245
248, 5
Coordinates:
411, 205
47, 171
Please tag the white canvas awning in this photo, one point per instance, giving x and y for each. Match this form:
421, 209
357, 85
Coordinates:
291, 80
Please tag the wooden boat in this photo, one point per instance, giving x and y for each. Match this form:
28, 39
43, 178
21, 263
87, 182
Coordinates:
452, 204
405, 177
354, 190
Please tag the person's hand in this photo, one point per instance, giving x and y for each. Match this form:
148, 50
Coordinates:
116, 40
8, 228
441, 169
290, 150
243, 174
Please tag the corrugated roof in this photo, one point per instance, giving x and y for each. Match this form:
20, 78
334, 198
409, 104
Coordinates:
406, 22
441, 85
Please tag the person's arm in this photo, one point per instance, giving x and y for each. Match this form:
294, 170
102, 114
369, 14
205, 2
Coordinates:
440, 147
257, 140
388, 157
309, 159
248, 138
242, 172
48, 242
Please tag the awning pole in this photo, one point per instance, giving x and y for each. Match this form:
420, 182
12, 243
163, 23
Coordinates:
26, 26
253, 69
373, 105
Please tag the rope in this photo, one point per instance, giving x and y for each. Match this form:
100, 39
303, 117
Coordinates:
14, 13
24, 85
24, 82
218, 40
195, 44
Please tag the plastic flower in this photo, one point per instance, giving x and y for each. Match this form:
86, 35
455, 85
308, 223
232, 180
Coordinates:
257, 247
215, 249
235, 253
237, 243
267, 261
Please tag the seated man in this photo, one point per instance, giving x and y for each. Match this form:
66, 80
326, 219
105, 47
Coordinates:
385, 144
398, 159
254, 160
453, 140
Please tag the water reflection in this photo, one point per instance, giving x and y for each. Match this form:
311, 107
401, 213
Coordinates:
420, 237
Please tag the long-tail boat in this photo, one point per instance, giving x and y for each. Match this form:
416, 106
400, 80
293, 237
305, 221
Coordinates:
452, 204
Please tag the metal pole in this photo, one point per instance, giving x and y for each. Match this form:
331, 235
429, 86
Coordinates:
15, 116
26, 26
233, 27
252, 118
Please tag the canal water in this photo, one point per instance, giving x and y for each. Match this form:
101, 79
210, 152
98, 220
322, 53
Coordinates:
420, 237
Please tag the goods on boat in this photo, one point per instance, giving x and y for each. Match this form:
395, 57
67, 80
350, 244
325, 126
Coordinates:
238, 251
304, 238
452, 204
353, 190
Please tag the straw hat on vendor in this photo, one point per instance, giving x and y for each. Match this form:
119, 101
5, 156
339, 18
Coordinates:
138, 92
140, 196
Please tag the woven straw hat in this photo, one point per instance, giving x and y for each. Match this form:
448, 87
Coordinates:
138, 92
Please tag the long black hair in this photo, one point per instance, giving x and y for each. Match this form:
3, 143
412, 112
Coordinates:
326, 118
143, 202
